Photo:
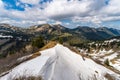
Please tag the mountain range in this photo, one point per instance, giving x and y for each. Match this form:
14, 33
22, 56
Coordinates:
83, 32
50, 31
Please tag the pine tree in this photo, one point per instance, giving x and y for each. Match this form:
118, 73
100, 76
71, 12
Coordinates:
38, 42
107, 62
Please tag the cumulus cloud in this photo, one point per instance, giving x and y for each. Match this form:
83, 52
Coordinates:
41, 22
1, 4
59, 9
58, 22
30, 1
95, 11
113, 8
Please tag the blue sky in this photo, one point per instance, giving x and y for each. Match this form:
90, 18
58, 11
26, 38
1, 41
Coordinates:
70, 13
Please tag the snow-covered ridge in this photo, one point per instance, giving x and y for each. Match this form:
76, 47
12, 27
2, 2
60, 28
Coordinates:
60, 63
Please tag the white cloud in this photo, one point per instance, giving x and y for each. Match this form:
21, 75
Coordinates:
58, 22
95, 11
93, 19
30, 1
1, 7
113, 8
59, 9
111, 18
1, 4
41, 22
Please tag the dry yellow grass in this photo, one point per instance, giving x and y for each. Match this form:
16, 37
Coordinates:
109, 77
113, 61
49, 45
35, 55
107, 54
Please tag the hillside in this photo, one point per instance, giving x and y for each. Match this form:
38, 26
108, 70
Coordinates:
12, 39
105, 52
54, 64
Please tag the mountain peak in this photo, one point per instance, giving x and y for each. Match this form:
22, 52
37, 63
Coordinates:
59, 26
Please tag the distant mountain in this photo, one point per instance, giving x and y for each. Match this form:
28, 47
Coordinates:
46, 28
96, 33
50, 31
12, 39
115, 31
83, 32
6, 29
87, 32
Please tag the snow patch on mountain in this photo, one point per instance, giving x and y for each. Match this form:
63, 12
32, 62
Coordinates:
60, 63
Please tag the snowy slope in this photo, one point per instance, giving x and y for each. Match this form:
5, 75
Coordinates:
60, 63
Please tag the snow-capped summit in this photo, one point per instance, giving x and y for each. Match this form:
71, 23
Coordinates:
60, 63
